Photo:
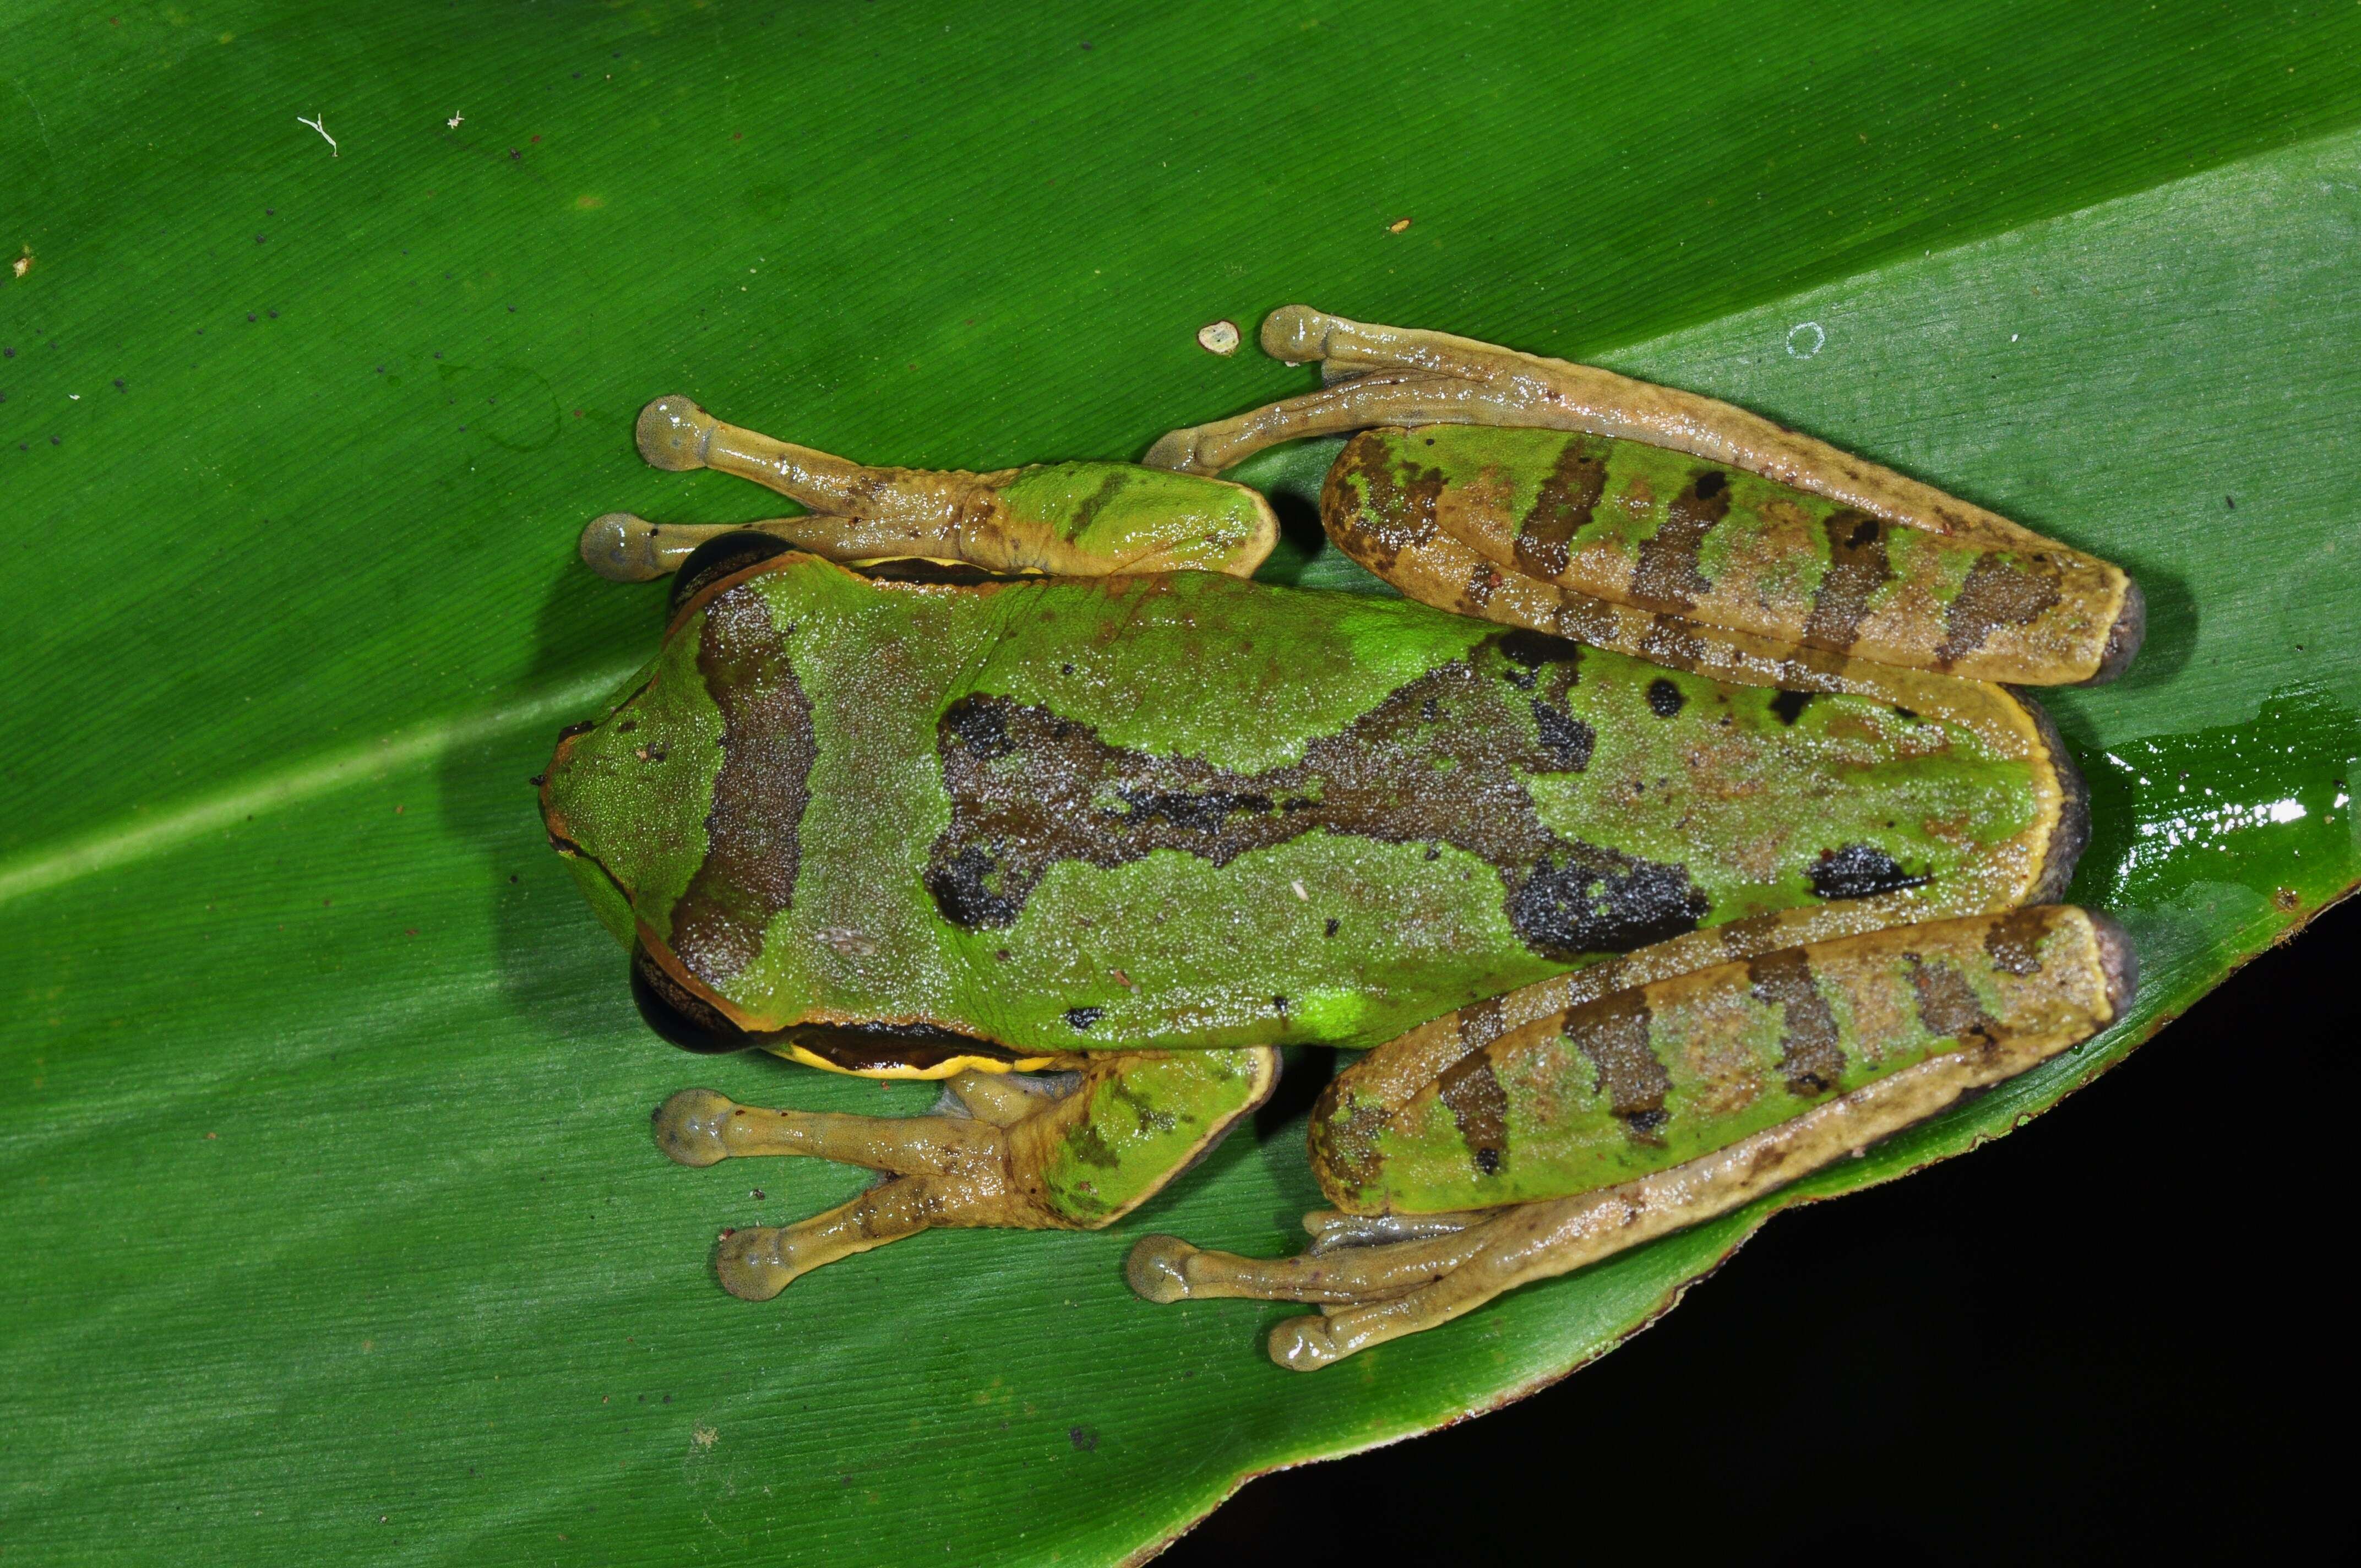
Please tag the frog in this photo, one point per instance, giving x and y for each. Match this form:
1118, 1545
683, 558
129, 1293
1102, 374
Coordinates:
1678, 826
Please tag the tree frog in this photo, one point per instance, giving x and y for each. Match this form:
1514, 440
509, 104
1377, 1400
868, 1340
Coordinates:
1676, 832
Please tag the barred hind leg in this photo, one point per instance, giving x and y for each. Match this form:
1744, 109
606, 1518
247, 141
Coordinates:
1645, 1111
1067, 519
1655, 521
1072, 1155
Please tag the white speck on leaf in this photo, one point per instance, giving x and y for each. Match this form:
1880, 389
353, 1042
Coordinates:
316, 125
1805, 339
452, 123
1300, 892
23, 264
1218, 338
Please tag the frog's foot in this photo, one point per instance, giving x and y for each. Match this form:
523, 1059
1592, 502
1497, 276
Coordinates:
1797, 598
1900, 1024
1075, 519
1073, 1152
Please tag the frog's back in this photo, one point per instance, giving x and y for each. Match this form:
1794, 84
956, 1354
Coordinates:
1193, 810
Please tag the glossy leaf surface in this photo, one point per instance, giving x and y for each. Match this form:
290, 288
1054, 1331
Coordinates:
333, 1227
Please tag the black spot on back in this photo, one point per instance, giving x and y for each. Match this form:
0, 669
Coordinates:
1858, 871
1567, 739
1080, 1019
1789, 705
1664, 699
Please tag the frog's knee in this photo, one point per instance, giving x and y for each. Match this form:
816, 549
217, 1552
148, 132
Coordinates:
688, 1126
673, 433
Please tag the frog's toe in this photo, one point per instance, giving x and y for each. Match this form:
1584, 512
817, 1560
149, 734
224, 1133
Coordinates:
752, 1263
673, 433
621, 548
688, 1126
1305, 1344
1157, 1269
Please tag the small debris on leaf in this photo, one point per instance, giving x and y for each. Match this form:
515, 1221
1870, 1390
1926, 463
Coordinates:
1398, 225
1219, 338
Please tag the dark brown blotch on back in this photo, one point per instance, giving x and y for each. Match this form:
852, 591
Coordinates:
1856, 569
1613, 1033
1999, 590
1442, 759
1811, 1056
753, 830
1562, 507
1665, 577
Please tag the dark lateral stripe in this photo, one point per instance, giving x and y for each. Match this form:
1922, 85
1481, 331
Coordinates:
1471, 1091
1998, 592
1811, 1056
753, 829
1561, 508
1613, 1033
1665, 577
1856, 569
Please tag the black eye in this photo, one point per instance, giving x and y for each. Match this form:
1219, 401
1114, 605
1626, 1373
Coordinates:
682, 1016
717, 558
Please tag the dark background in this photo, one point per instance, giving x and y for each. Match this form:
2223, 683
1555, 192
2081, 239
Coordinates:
2114, 1333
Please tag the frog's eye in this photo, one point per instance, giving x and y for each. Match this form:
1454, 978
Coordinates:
682, 1016
718, 558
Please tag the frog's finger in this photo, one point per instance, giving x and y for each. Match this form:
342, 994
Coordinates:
1165, 1269
698, 1127
757, 1263
1332, 1228
1065, 518
1384, 374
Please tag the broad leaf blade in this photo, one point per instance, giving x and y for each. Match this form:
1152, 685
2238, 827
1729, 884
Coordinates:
334, 1226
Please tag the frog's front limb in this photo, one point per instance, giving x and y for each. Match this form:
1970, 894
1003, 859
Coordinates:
1974, 593
1075, 1155
1651, 1109
1074, 519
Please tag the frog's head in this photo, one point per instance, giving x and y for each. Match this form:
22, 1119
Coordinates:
626, 795
679, 807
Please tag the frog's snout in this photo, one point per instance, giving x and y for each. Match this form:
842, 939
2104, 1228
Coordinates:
672, 433
688, 1126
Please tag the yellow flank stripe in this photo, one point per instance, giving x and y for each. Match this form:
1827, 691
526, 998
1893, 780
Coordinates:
939, 1069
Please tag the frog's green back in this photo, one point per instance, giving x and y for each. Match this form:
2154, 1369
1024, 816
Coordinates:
1193, 810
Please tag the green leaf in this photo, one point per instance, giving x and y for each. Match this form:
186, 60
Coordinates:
333, 1227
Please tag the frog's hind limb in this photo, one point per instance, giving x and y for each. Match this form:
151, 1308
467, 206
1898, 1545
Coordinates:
1071, 520
1649, 1110
1795, 599
1075, 1156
